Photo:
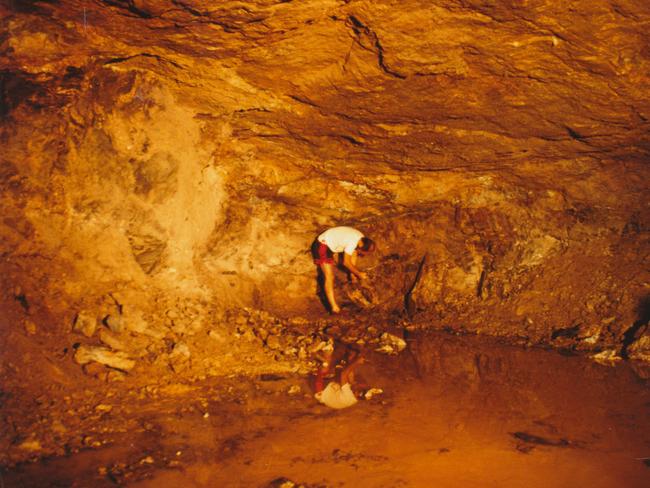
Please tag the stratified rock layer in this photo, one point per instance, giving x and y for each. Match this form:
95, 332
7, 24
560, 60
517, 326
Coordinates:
164, 161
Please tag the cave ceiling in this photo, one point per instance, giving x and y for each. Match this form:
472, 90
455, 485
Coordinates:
171, 140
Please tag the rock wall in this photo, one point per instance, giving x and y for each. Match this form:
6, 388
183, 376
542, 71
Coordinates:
163, 162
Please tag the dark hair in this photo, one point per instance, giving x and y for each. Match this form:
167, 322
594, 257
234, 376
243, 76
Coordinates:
367, 244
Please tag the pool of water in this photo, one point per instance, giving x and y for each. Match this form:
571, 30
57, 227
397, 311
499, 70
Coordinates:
456, 411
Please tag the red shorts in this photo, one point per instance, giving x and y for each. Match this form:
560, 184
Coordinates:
321, 253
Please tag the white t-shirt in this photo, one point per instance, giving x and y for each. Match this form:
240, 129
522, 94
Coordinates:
340, 239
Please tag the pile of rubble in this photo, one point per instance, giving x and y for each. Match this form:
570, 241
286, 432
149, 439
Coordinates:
192, 340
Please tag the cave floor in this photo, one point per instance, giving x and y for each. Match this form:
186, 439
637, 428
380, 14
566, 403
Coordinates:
455, 411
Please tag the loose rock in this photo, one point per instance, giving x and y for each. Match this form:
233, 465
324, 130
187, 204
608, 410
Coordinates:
117, 360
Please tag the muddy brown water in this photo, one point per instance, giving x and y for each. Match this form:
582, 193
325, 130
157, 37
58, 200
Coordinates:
455, 412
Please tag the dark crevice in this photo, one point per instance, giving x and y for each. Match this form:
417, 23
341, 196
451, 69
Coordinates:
574, 134
541, 441
15, 88
146, 55
409, 305
360, 29
131, 7
631, 335
352, 140
304, 101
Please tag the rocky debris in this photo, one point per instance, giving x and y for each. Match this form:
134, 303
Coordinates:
112, 340
607, 357
179, 357
115, 323
283, 482
114, 359
372, 392
298, 341
361, 294
390, 344
640, 349
85, 323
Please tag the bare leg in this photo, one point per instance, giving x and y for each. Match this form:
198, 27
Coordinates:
347, 375
328, 273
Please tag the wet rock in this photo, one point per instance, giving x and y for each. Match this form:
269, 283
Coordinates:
372, 392
606, 357
283, 483
85, 323
102, 355
31, 445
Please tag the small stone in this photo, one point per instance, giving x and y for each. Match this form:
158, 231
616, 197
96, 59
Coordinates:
390, 344
30, 445
102, 407
262, 333
58, 427
640, 349
372, 392
273, 342
294, 389
134, 322
607, 357
180, 349
117, 360
30, 327
115, 323
94, 370
85, 323
115, 376
112, 340
213, 334
146, 460
248, 335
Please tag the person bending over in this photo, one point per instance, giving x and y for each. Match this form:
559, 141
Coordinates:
327, 251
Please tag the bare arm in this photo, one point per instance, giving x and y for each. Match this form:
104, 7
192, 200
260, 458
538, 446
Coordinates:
349, 263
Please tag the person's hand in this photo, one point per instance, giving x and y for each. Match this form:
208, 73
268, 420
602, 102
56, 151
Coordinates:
336, 309
363, 276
